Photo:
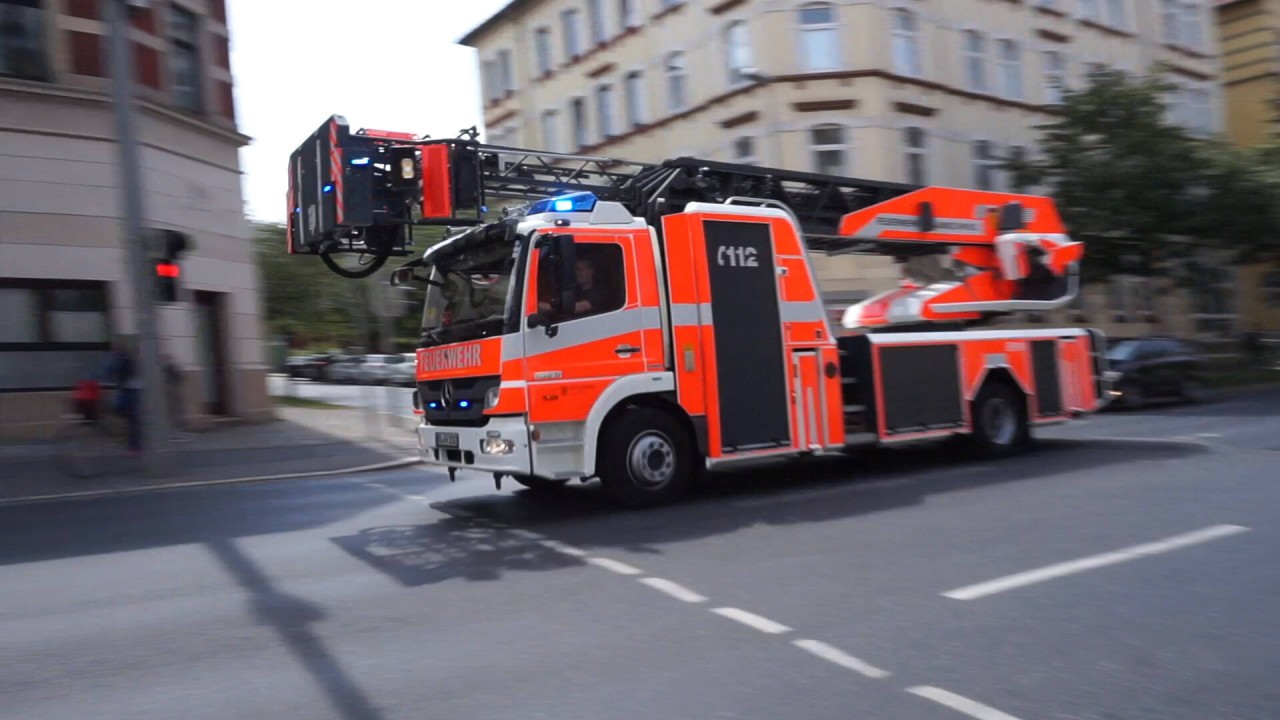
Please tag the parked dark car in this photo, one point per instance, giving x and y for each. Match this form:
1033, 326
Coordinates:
309, 367
1154, 368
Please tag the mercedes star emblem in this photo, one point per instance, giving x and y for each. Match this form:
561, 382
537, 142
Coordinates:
446, 393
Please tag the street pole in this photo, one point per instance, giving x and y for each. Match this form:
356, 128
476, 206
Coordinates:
151, 413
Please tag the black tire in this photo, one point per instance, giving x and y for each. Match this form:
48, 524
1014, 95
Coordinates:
538, 484
1000, 420
645, 459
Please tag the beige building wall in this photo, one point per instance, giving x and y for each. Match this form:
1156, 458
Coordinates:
59, 225
890, 65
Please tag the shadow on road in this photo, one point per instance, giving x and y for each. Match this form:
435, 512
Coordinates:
452, 548
291, 617
819, 491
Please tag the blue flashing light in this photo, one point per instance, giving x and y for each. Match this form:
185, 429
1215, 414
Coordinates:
573, 202
327, 188
433, 405
360, 161
464, 404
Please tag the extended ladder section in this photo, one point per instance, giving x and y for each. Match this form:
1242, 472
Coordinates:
364, 191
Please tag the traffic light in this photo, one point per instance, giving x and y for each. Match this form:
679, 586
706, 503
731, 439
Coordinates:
169, 245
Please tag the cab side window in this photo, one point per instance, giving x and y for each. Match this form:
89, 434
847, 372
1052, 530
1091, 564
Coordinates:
599, 281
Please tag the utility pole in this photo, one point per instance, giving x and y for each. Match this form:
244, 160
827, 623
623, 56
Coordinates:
151, 413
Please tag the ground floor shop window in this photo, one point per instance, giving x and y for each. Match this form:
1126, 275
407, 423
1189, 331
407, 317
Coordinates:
54, 332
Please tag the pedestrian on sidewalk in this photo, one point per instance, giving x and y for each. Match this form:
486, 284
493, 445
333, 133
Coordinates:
122, 371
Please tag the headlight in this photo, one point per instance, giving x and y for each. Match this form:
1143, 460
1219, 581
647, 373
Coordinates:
496, 446
491, 397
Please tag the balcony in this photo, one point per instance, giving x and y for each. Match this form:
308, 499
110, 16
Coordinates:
22, 41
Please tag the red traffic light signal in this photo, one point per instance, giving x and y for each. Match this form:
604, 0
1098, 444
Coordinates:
167, 269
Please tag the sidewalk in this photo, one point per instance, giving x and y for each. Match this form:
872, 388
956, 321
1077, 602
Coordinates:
302, 441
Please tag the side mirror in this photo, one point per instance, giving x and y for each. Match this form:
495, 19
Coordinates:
401, 277
925, 221
1012, 218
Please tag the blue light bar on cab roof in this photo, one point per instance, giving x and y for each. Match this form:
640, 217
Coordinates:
573, 202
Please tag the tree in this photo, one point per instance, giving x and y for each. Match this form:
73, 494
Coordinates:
1126, 180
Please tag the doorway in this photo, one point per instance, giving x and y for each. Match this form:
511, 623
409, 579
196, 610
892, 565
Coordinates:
212, 348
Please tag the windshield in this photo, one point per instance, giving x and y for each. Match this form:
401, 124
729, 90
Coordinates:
469, 294
1123, 351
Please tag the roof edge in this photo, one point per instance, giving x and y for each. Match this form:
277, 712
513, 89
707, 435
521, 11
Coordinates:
489, 22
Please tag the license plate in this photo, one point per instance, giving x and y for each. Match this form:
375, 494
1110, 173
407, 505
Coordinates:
447, 440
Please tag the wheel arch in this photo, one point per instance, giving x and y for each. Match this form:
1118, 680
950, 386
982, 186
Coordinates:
652, 390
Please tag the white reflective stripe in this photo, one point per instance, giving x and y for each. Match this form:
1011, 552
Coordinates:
689, 313
651, 317
802, 312
1047, 334
583, 330
512, 348
513, 385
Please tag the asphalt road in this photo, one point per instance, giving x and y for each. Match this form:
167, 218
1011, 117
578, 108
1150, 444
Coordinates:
889, 585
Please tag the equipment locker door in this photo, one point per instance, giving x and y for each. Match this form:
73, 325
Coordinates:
751, 373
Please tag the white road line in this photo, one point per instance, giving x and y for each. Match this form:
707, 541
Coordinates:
841, 658
972, 708
526, 534
614, 566
751, 620
1030, 577
562, 548
675, 590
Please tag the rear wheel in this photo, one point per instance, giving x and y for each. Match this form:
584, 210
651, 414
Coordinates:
646, 458
1000, 420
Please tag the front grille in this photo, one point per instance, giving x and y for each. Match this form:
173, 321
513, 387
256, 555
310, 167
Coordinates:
466, 402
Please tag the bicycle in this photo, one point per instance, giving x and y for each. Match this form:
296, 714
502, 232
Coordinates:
87, 440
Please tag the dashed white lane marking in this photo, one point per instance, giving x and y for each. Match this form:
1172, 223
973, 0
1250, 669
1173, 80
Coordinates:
751, 620
675, 590
526, 534
1030, 577
841, 658
562, 548
614, 566
960, 703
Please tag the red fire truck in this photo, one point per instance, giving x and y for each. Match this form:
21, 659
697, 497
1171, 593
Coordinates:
640, 323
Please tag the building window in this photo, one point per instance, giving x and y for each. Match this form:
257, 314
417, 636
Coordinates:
677, 80
1215, 291
542, 50
604, 111
985, 165
744, 150
569, 20
1192, 24
1091, 10
819, 38
1199, 111
975, 60
1055, 77
737, 51
906, 43
1017, 156
184, 58
915, 152
1170, 20
22, 52
54, 333
578, 113
627, 16
1010, 58
595, 15
506, 78
550, 131
1117, 13
827, 146
633, 89
489, 80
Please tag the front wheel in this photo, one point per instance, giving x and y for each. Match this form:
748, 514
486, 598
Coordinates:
999, 420
646, 458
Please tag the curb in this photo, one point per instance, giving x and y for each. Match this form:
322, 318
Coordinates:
92, 494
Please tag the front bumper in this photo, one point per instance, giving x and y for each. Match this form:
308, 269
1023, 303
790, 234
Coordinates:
470, 453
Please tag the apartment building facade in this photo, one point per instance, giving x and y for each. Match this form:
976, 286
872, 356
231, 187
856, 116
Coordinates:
64, 292
919, 91
1250, 32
